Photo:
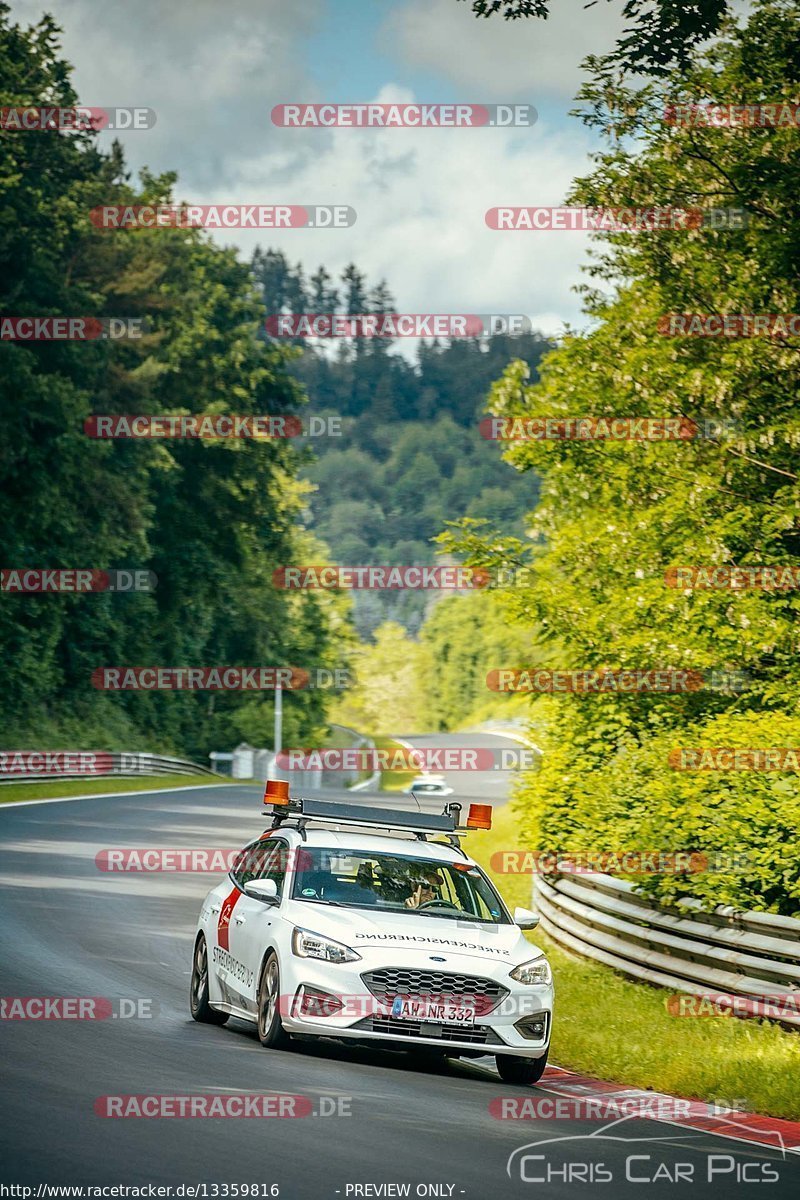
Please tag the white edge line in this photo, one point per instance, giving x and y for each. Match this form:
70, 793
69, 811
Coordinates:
403, 742
519, 738
189, 787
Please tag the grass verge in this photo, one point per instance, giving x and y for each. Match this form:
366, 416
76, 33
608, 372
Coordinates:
609, 1027
51, 788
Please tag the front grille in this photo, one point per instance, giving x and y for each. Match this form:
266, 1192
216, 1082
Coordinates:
473, 1035
388, 982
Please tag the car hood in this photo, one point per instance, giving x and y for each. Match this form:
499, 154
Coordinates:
365, 930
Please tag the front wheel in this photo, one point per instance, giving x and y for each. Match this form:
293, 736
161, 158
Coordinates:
270, 1027
198, 992
522, 1071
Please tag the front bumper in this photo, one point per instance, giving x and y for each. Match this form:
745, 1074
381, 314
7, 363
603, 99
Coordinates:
510, 1027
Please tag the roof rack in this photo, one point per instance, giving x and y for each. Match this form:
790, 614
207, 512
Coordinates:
308, 809
301, 810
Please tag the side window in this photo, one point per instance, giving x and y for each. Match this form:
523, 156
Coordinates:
274, 865
447, 890
250, 862
481, 907
471, 900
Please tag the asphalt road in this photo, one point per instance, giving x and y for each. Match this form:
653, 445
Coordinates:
480, 786
69, 929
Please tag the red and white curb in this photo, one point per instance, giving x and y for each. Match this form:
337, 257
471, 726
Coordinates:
753, 1128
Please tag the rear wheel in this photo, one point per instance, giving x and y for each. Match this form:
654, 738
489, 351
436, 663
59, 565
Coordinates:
270, 1027
198, 992
521, 1071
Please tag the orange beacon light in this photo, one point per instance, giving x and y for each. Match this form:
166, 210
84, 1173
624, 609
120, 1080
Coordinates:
276, 792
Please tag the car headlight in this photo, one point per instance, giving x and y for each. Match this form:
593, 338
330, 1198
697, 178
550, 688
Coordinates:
535, 971
306, 944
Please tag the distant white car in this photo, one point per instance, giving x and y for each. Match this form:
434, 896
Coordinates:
430, 785
347, 922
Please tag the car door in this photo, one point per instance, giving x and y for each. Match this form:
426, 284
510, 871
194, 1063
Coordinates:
229, 970
253, 921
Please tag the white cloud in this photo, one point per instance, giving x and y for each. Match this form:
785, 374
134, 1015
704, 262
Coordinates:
213, 73
494, 59
421, 196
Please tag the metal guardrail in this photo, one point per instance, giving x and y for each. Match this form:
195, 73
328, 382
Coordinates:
264, 767
23, 766
748, 955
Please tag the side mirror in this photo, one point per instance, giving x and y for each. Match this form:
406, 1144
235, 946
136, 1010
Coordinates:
525, 918
262, 889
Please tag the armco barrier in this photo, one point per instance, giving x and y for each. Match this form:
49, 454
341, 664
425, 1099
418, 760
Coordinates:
265, 767
20, 766
748, 955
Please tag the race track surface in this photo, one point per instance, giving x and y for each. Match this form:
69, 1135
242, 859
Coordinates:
70, 929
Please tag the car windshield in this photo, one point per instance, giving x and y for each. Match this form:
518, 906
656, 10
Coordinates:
397, 883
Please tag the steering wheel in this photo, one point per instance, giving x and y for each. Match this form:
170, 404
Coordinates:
441, 903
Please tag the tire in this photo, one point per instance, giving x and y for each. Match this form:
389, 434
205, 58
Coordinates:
522, 1071
198, 992
270, 1027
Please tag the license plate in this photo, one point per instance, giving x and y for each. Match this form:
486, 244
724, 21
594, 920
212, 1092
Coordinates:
438, 1012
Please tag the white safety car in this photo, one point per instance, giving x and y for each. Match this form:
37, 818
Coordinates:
352, 922
429, 785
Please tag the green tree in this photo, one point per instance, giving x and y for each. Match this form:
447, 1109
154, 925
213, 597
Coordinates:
211, 519
469, 636
661, 33
615, 517
392, 676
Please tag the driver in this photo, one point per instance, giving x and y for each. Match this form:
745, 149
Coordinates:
426, 889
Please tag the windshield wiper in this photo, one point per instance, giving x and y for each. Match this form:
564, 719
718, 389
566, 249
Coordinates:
453, 914
318, 900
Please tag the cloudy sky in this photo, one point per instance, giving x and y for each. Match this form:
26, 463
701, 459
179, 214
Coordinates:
214, 71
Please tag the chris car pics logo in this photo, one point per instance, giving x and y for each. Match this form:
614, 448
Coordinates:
609, 1156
